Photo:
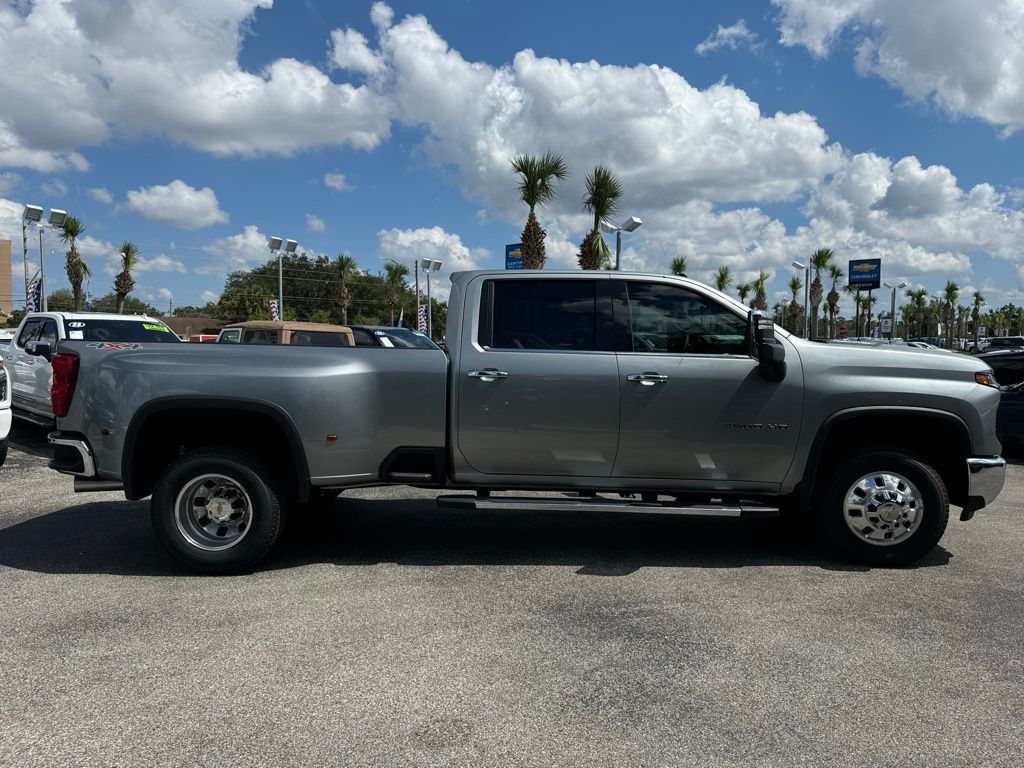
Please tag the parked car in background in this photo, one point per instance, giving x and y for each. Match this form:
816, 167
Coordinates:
1005, 342
30, 376
1008, 365
981, 346
385, 336
5, 409
1010, 419
924, 345
287, 332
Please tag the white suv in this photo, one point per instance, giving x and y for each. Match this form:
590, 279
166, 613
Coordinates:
5, 410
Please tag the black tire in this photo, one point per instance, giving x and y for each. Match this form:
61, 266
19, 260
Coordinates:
265, 522
933, 511
3, 451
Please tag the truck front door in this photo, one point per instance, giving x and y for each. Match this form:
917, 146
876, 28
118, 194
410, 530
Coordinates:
694, 407
538, 383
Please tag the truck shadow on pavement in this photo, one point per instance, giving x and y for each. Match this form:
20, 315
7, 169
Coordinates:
116, 538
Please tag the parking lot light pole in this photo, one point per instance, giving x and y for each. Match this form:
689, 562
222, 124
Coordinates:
807, 278
32, 215
430, 265
628, 225
274, 243
892, 306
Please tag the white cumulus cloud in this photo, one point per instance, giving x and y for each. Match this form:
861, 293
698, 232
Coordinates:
100, 194
336, 180
407, 245
241, 251
966, 57
315, 223
178, 204
732, 37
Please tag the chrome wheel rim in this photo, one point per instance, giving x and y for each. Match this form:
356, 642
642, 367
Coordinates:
883, 508
213, 512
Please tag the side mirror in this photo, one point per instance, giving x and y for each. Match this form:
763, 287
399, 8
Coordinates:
39, 349
770, 354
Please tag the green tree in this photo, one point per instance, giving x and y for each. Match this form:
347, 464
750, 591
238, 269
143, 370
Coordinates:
319, 316
918, 303
678, 266
209, 310
74, 265
821, 260
835, 273
124, 283
950, 294
347, 270
394, 280
868, 302
61, 300
858, 304
537, 177
743, 290
723, 278
603, 194
796, 284
760, 290
14, 319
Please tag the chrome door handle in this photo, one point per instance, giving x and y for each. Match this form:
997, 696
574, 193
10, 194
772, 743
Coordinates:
648, 379
487, 374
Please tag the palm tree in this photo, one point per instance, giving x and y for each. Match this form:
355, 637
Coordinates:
821, 260
779, 312
950, 294
74, 266
760, 296
602, 200
857, 302
394, 285
869, 302
678, 266
835, 272
537, 177
723, 278
963, 315
347, 268
796, 284
743, 290
124, 282
918, 301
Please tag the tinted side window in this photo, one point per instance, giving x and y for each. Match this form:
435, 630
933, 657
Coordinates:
28, 333
252, 336
540, 314
670, 319
319, 339
363, 338
48, 333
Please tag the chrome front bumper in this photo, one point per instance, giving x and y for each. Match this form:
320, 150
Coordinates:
985, 478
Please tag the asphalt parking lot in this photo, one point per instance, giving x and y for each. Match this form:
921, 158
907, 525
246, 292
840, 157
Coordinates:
388, 633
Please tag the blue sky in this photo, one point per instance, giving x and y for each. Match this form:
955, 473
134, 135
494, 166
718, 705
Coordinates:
745, 133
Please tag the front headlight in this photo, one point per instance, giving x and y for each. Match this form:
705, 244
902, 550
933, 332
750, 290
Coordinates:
3, 384
987, 378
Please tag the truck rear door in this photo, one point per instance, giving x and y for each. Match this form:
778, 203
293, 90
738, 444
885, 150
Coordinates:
538, 384
31, 375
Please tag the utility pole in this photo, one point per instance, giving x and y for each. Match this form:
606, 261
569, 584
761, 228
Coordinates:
24, 251
416, 269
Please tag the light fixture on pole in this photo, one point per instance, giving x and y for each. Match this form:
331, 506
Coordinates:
628, 225
430, 265
32, 215
892, 306
56, 220
275, 248
807, 278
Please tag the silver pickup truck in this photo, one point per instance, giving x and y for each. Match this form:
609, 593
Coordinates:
608, 391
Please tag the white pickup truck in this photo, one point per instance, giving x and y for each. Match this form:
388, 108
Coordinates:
30, 377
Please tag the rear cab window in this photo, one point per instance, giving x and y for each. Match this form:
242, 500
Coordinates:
100, 329
318, 339
557, 315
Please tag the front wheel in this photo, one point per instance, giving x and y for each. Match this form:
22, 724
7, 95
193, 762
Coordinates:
217, 510
885, 508
3, 451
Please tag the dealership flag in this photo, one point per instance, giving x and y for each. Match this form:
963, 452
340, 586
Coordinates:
275, 310
421, 324
34, 296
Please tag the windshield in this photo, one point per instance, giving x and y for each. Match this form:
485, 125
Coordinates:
405, 338
97, 329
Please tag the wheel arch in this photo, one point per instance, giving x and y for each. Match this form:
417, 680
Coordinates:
245, 418
940, 438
